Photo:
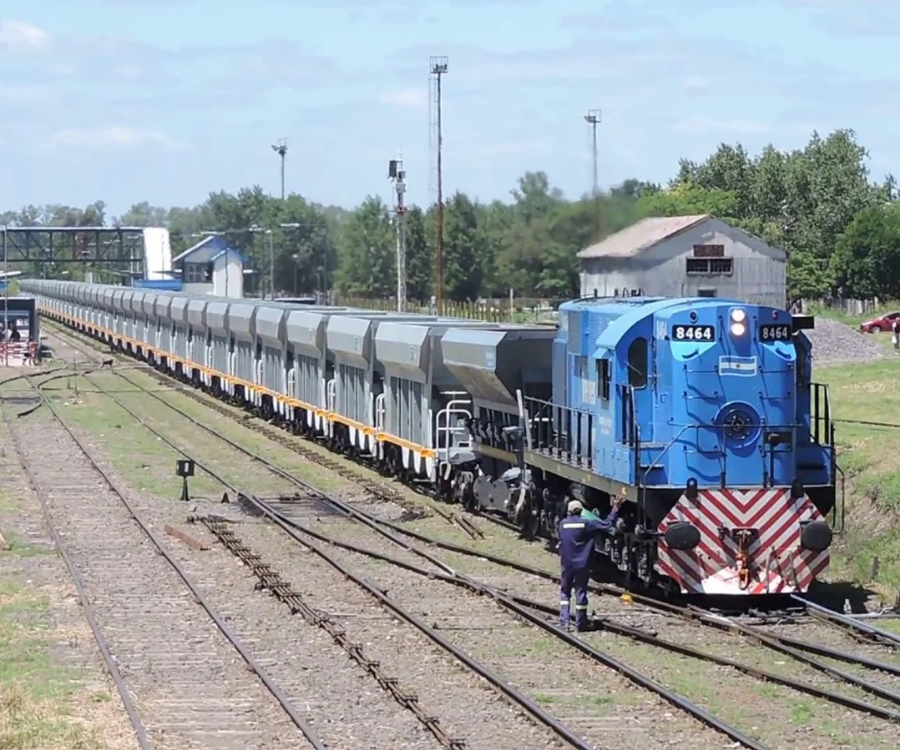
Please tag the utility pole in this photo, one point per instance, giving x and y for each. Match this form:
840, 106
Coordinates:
281, 149
397, 175
439, 68
593, 119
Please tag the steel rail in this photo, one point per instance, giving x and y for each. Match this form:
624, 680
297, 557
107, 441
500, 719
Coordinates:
880, 635
523, 612
298, 720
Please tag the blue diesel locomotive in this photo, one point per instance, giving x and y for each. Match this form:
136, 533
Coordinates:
703, 414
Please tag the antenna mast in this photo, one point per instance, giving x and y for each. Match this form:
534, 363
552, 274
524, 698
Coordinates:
438, 67
397, 175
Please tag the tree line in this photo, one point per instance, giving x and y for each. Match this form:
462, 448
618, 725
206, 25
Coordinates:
840, 229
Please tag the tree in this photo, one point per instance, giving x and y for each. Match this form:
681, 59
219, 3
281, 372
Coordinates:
866, 260
366, 252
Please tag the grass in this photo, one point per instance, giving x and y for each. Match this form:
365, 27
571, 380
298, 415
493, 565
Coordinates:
41, 702
870, 458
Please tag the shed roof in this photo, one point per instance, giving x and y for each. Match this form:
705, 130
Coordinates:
209, 248
641, 236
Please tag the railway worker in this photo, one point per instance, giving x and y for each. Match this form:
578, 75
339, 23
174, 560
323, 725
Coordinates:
576, 542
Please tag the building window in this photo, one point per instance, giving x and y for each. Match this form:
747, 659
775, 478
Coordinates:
709, 251
197, 273
710, 266
705, 291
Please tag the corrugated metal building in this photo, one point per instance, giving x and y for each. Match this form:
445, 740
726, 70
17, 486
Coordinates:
685, 256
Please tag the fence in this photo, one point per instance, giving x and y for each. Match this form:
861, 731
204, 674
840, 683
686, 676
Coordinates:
523, 310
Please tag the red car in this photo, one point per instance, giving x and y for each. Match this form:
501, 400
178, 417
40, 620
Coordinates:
877, 325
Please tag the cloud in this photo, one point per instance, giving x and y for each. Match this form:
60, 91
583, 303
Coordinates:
700, 125
411, 98
112, 138
20, 38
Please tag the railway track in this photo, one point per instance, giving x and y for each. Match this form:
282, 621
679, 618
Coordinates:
160, 639
795, 648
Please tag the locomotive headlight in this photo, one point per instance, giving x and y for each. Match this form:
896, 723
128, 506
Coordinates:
738, 316
738, 329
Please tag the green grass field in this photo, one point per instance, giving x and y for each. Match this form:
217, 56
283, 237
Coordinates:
870, 457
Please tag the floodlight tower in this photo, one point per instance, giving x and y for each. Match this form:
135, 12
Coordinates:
397, 175
438, 67
281, 149
592, 118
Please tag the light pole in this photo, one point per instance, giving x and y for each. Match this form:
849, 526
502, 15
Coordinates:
592, 118
281, 149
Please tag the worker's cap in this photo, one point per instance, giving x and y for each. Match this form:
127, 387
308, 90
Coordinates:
575, 506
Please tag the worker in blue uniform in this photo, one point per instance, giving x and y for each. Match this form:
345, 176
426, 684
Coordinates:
576, 542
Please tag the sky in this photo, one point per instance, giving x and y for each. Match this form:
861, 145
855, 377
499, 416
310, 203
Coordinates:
168, 100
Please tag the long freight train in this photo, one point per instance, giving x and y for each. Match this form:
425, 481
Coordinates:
701, 412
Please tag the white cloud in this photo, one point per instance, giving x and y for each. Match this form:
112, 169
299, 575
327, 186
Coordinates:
113, 137
699, 125
18, 37
411, 98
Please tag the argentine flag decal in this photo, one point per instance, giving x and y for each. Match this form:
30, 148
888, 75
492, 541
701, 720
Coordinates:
741, 366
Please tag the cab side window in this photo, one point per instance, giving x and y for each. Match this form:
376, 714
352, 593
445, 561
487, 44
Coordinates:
637, 363
604, 376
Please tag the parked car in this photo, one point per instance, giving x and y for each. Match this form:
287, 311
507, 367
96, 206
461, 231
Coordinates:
877, 325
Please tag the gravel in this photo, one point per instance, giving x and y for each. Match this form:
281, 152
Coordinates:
835, 343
